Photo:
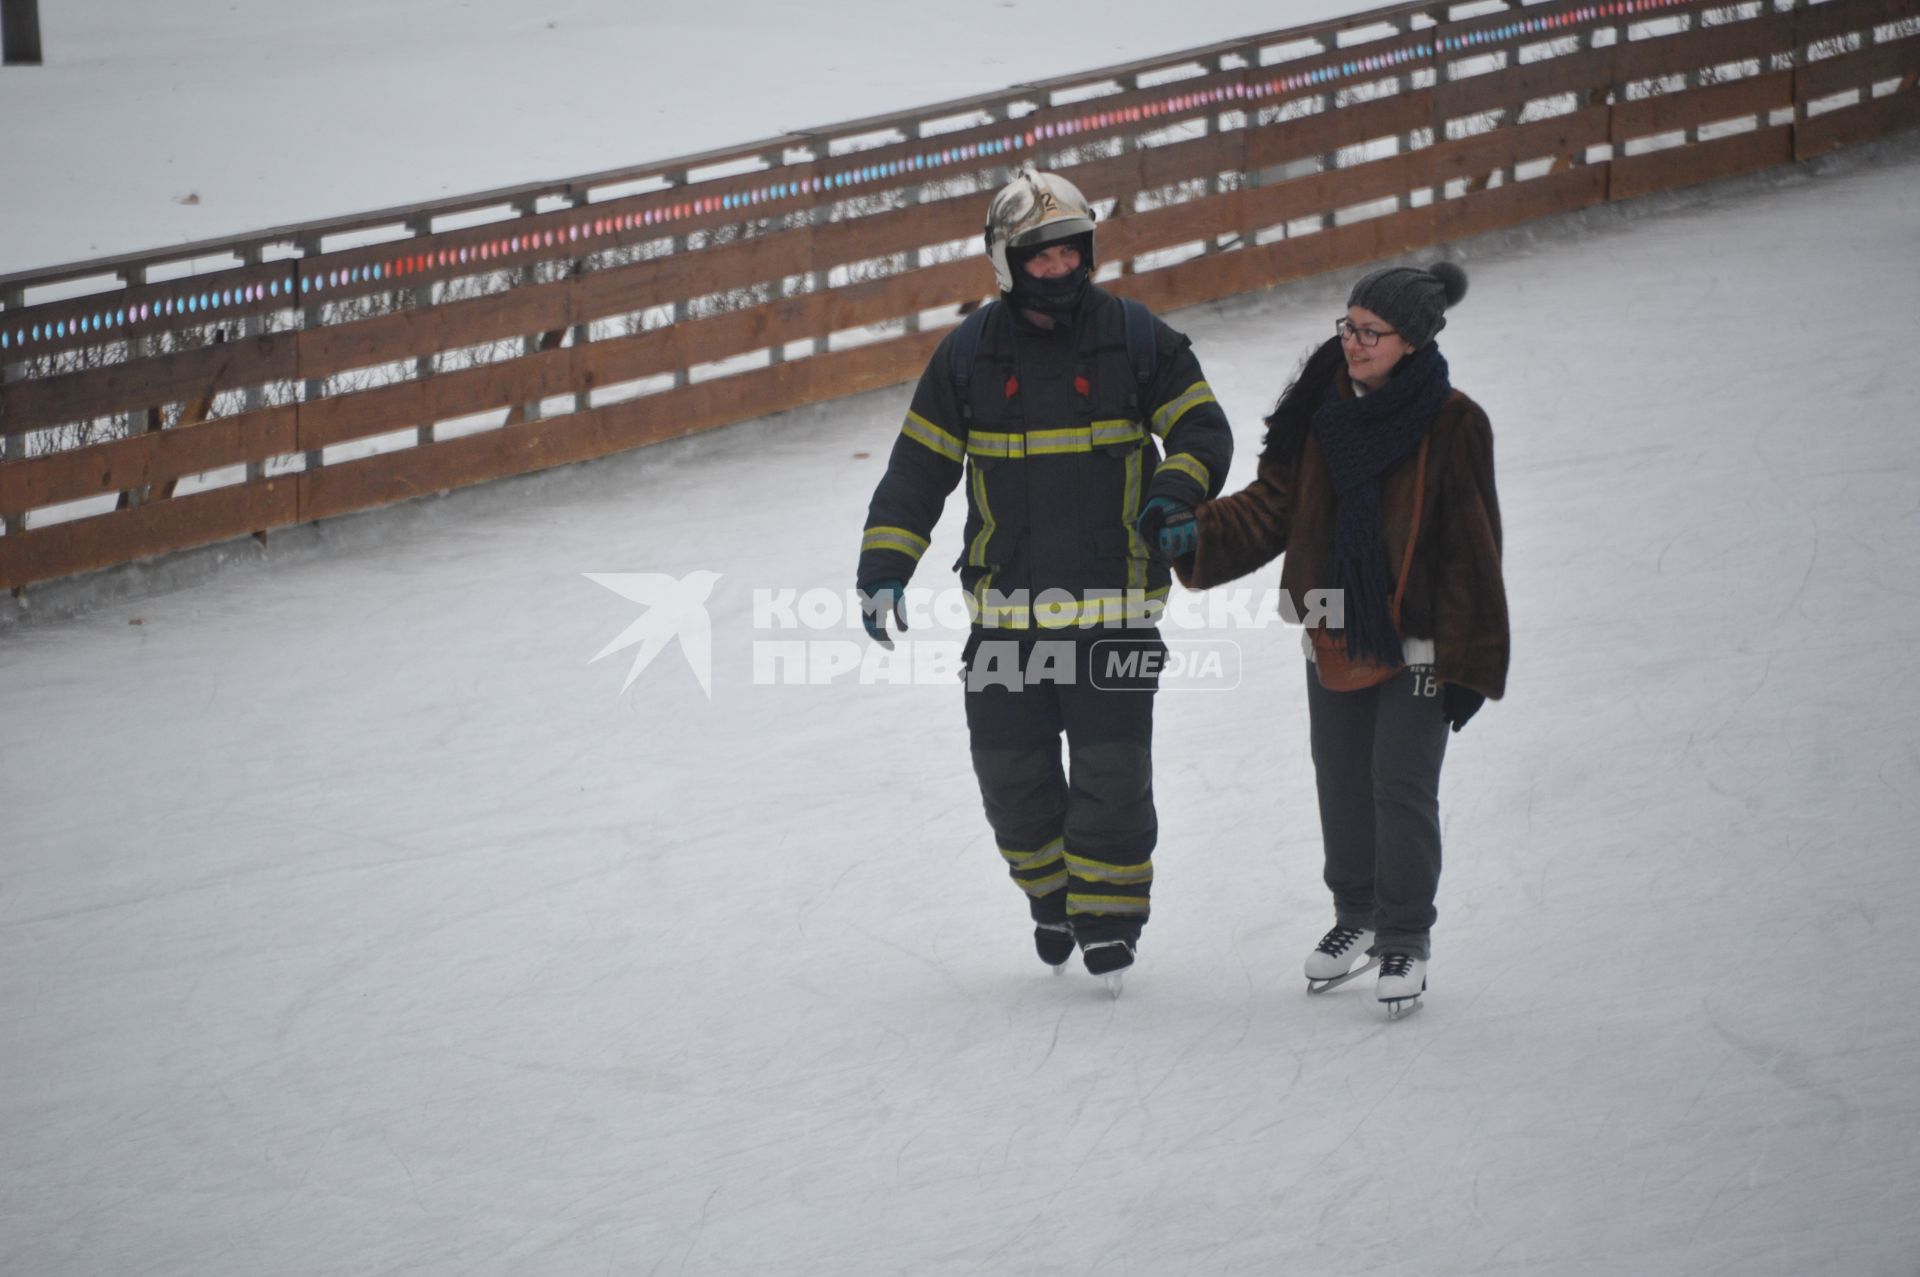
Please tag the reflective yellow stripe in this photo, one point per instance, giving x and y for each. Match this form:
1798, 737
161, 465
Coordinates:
977, 551
922, 431
908, 543
1100, 871
1043, 886
1129, 509
1185, 463
1078, 903
1037, 859
1170, 412
1053, 443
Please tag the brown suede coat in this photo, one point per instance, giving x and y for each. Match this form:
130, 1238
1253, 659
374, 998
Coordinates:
1455, 594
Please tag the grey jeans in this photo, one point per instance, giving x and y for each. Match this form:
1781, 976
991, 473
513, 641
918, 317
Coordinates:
1376, 762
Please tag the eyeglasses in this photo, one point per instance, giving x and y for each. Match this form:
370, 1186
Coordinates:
1368, 337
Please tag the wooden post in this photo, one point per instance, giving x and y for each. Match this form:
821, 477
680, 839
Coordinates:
422, 298
140, 421
531, 343
679, 245
254, 397
14, 446
582, 333
20, 32
312, 315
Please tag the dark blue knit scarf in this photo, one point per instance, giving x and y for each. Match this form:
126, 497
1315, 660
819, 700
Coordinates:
1363, 438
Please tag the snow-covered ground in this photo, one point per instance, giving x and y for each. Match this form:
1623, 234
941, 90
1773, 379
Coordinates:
352, 921
166, 123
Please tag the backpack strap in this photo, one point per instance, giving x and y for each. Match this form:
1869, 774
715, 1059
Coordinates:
961, 356
1141, 352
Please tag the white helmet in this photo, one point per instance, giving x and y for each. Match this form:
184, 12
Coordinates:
1032, 210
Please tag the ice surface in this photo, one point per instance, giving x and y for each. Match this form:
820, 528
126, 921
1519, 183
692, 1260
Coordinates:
351, 921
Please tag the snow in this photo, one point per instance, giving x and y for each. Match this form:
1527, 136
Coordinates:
157, 124
351, 920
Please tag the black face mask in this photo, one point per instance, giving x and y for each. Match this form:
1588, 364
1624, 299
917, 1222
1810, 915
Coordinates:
1056, 297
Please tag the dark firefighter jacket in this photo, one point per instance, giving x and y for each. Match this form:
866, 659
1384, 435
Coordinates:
1060, 454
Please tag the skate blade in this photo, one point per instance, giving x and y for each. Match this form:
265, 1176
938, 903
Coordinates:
1322, 986
1113, 981
1401, 1008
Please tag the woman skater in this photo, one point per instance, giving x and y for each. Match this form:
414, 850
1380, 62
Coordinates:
1376, 481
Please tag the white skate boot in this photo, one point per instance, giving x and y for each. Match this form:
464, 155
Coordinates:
1334, 961
1403, 978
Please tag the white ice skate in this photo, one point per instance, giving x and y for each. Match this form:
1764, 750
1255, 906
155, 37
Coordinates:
1403, 979
1334, 960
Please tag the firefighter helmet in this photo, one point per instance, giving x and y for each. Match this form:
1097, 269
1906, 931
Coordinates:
1033, 210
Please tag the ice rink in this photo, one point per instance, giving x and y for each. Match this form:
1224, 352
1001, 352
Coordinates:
352, 921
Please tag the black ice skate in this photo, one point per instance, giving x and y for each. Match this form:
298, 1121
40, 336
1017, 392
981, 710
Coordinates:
1108, 959
1053, 941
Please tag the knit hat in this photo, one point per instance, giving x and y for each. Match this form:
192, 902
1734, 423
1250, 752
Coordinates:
1411, 299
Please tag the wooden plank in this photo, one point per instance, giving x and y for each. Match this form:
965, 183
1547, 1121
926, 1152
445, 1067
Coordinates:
1580, 72
1483, 153
427, 330
1132, 234
1703, 47
582, 436
444, 396
1514, 202
1755, 95
142, 460
1854, 124
1843, 17
1208, 278
1123, 175
1318, 193
145, 383
856, 239
1205, 157
123, 536
1324, 132
680, 276
1356, 244
1894, 60
697, 341
1676, 166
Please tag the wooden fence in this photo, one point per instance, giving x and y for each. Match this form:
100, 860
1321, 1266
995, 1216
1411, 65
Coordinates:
158, 401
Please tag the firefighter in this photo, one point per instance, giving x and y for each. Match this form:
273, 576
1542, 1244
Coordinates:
1086, 433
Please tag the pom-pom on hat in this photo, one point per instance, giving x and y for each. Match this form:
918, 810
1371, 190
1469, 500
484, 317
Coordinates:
1414, 301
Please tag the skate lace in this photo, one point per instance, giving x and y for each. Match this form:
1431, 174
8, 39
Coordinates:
1338, 941
1395, 964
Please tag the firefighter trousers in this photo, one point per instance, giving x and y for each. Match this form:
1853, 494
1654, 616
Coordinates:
1077, 839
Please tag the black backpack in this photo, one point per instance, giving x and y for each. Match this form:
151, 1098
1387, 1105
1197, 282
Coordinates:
1140, 352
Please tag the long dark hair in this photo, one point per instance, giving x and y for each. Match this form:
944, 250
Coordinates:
1292, 414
